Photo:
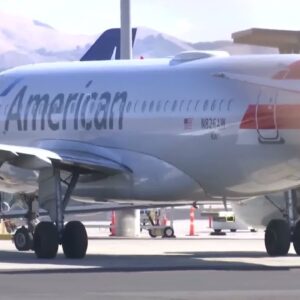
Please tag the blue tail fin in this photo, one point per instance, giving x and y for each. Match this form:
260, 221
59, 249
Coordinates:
106, 45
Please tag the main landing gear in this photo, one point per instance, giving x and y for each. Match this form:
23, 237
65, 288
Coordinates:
280, 233
45, 237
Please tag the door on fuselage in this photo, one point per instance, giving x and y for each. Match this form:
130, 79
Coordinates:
265, 116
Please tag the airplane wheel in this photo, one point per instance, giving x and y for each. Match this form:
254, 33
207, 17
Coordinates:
74, 240
277, 238
23, 239
45, 240
168, 232
296, 238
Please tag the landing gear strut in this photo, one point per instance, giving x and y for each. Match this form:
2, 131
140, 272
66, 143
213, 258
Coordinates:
48, 236
45, 237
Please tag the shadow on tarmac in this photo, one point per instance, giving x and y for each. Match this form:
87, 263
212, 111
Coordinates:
175, 261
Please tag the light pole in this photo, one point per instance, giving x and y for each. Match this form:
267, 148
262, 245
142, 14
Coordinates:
126, 32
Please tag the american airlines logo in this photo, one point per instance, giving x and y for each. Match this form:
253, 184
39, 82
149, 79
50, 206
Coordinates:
86, 110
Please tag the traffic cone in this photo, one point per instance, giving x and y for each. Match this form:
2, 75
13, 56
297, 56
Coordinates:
113, 223
192, 219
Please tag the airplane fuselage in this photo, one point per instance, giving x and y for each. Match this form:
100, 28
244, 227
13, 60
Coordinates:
184, 130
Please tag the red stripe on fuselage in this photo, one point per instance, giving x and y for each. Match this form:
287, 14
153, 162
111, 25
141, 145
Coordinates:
287, 117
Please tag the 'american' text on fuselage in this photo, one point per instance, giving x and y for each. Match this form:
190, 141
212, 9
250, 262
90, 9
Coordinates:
43, 112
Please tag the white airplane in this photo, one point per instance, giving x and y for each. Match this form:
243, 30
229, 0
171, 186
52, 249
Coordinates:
195, 127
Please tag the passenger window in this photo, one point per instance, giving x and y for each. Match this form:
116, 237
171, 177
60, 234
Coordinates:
197, 105
189, 105
220, 104
205, 105
128, 107
181, 105
213, 105
229, 104
151, 106
174, 106
158, 106
166, 105
144, 106
136, 106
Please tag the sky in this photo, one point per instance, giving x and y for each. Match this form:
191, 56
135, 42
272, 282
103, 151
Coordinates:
189, 20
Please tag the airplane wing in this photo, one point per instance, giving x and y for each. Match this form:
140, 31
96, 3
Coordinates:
290, 85
37, 158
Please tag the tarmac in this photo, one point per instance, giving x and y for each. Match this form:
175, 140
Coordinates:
233, 266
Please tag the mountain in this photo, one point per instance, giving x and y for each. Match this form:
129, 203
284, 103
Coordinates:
25, 41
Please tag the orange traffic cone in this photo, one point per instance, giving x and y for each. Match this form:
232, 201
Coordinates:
192, 219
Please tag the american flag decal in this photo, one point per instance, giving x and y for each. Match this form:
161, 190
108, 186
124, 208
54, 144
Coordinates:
188, 123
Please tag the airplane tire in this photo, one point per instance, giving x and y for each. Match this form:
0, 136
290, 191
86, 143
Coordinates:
277, 238
74, 240
168, 232
296, 238
45, 240
23, 239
